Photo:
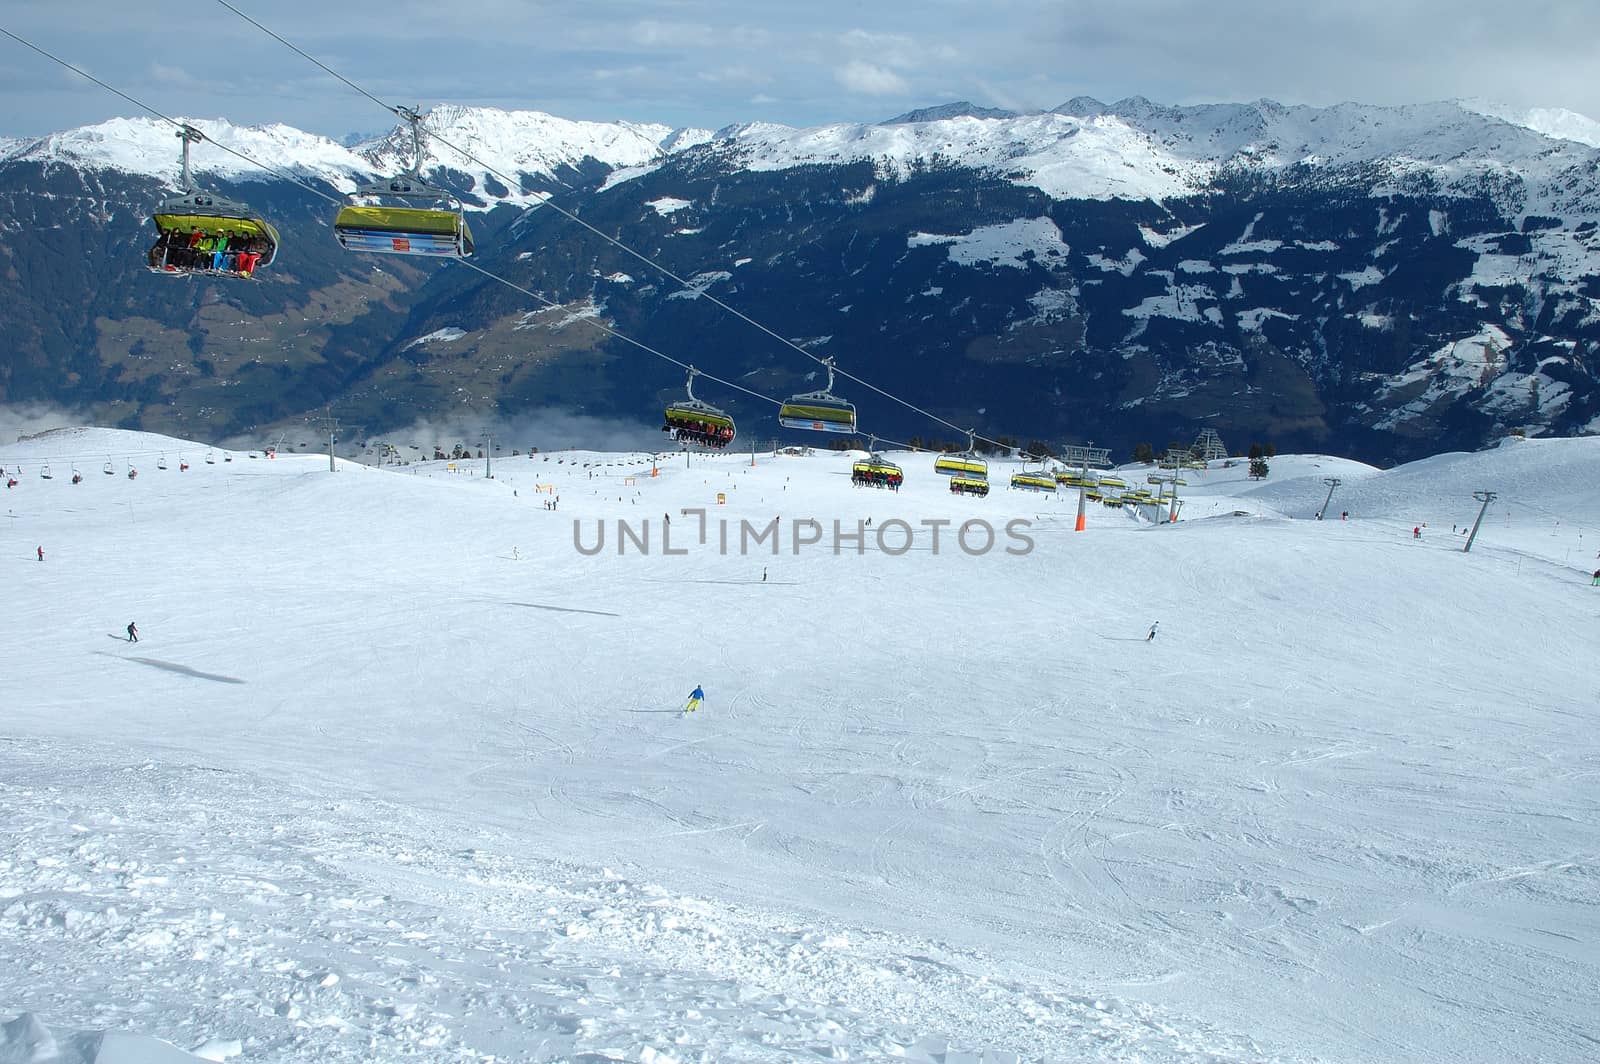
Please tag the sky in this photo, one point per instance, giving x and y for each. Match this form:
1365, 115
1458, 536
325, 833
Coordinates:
711, 63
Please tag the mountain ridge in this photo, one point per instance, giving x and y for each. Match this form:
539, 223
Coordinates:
1382, 280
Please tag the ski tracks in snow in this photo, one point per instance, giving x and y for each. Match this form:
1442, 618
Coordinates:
309, 930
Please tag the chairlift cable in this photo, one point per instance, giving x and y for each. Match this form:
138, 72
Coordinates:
332, 199
180, 125
402, 112
552, 304
647, 260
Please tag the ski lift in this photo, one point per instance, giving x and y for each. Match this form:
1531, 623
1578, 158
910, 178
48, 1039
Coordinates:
77, 477
876, 471
820, 411
693, 420
226, 457
45, 472
110, 469
132, 472
438, 230
193, 223
211, 458
161, 463
965, 484
1040, 479
963, 464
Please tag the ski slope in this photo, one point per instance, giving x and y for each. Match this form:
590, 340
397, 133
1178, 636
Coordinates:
396, 772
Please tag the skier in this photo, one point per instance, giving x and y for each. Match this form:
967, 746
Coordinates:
133, 632
1416, 533
41, 554
1151, 637
695, 698
1596, 578
764, 575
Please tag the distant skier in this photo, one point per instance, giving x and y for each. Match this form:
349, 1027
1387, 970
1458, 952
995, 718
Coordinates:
1416, 533
764, 575
41, 554
1596, 578
695, 698
1151, 637
133, 632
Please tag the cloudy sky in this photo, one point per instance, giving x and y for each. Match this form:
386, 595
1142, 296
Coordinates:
709, 63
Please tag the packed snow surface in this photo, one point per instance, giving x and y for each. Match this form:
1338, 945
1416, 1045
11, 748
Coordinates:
397, 772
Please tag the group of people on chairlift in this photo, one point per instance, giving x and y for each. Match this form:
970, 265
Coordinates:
969, 487
704, 433
200, 252
877, 478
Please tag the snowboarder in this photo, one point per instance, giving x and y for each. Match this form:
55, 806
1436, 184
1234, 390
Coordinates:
695, 698
133, 632
1151, 637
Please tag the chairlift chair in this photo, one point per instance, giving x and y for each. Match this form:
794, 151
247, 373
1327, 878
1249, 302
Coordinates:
876, 471
213, 217
211, 458
1040, 479
110, 469
77, 477
693, 420
161, 463
819, 411
964, 484
964, 463
437, 230
45, 472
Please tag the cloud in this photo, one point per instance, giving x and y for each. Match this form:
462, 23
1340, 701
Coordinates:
678, 65
20, 420
547, 430
869, 78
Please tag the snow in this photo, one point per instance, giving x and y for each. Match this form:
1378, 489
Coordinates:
1125, 265
1177, 302
1014, 245
1101, 157
1252, 319
1361, 278
1540, 163
439, 336
699, 283
512, 143
1550, 121
666, 206
396, 773
1160, 240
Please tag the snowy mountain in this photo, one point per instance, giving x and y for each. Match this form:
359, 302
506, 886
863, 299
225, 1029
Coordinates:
397, 771
1381, 281
515, 143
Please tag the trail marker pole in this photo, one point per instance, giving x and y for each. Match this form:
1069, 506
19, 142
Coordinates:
1487, 497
